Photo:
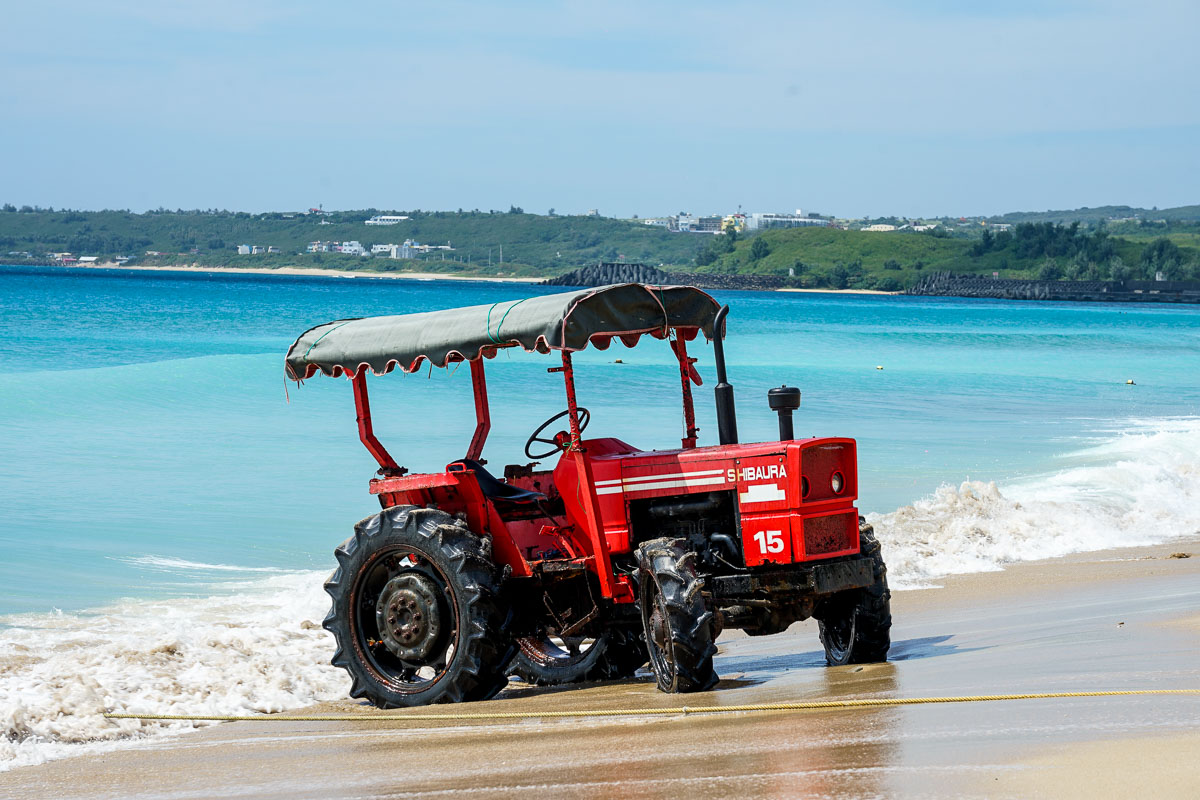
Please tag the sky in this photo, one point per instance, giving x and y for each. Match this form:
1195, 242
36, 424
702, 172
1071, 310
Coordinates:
919, 108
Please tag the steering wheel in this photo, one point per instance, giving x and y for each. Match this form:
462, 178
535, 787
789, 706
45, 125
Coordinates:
561, 439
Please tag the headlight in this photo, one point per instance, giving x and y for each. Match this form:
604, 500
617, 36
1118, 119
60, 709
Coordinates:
837, 483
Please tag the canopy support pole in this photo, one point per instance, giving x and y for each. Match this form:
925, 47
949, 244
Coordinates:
591, 504
688, 375
362, 407
483, 416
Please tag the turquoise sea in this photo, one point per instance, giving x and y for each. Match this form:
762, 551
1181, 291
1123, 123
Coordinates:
161, 482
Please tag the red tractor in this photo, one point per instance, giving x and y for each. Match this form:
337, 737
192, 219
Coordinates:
613, 557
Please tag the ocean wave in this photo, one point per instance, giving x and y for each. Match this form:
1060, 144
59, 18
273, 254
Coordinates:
1138, 487
260, 650
167, 564
256, 645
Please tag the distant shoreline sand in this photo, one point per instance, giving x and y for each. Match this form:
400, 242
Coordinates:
418, 276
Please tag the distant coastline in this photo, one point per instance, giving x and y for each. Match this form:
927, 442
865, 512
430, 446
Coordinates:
289, 271
341, 273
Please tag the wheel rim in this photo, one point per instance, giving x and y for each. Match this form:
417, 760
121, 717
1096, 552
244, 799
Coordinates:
839, 635
405, 619
554, 651
658, 635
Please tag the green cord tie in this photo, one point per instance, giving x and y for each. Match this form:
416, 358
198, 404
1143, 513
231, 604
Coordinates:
495, 339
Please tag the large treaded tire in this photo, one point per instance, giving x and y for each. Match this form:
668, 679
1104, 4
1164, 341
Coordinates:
677, 623
617, 653
475, 616
856, 628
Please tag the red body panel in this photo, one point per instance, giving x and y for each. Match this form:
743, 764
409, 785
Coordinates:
780, 524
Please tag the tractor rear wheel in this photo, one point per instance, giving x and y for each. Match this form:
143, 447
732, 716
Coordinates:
417, 612
856, 626
678, 624
543, 660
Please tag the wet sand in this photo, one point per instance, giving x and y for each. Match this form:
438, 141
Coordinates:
1125, 619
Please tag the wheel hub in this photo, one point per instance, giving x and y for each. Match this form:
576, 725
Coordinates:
408, 616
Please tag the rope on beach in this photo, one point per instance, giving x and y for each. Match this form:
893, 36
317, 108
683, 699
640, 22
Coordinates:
810, 705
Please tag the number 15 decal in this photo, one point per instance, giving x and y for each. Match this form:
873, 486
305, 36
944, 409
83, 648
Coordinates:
769, 541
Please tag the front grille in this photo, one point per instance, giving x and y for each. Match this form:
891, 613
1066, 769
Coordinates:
831, 534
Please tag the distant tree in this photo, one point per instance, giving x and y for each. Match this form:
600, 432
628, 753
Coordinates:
26, 209
799, 267
759, 249
516, 210
839, 277
1049, 270
550, 213
918, 265
9, 207
1162, 255
891, 263
984, 245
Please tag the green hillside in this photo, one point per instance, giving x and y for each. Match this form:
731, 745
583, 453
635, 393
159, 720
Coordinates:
531, 243
1092, 216
829, 257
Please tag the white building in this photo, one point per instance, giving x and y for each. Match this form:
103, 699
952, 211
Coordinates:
767, 221
272, 249
350, 248
257, 249
880, 228
320, 247
376, 249
659, 221
385, 219
243, 249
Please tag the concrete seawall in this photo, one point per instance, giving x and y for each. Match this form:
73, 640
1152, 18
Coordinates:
608, 273
950, 285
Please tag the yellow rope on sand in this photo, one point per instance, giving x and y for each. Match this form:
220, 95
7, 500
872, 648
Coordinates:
812, 705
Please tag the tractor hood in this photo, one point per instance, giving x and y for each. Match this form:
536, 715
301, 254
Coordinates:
565, 321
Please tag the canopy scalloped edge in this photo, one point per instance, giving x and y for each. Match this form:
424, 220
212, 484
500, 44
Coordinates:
563, 321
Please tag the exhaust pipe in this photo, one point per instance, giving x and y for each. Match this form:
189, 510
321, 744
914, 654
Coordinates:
783, 401
726, 421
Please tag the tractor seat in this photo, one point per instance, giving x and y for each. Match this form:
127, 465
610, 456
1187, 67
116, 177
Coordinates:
495, 489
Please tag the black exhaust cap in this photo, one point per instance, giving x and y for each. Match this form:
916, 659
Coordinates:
783, 401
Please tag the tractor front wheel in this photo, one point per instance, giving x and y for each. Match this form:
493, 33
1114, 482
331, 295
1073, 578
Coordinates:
856, 626
417, 612
678, 624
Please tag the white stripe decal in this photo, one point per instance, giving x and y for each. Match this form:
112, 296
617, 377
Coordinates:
762, 493
664, 476
667, 484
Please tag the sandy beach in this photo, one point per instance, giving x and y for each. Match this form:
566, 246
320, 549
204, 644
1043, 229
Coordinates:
1111, 620
329, 273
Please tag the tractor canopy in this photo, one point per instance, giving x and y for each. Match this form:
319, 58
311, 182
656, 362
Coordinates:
565, 321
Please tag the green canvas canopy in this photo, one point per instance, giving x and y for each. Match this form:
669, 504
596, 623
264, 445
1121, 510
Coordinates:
566, 321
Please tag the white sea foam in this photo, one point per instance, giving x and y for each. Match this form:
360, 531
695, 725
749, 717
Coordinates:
258, 648
256, 645
166, 564
1140, 487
